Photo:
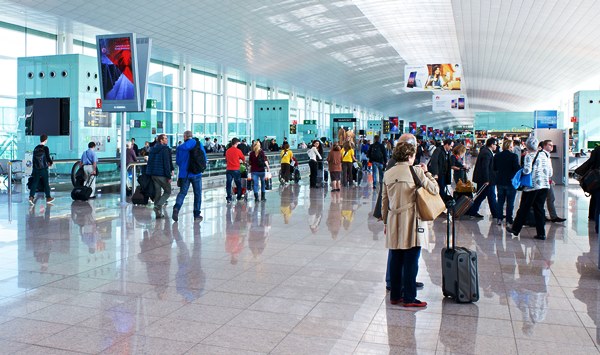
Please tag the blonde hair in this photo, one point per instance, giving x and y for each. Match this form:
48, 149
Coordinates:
459, 150
506, 144
256, 148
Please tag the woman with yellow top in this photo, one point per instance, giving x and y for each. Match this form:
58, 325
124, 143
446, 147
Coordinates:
347, 160
286, 158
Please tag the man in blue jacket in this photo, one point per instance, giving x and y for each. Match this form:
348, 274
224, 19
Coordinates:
186, 161
160, 168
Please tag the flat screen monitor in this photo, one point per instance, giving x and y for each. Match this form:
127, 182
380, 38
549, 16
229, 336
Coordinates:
117, 65
49, 115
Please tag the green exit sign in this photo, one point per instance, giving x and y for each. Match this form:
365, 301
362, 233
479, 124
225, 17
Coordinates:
143, 124
314, 122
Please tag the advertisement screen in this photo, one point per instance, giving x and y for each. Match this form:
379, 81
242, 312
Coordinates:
394, 125
423, 129
117, 65
412, 127
445, 76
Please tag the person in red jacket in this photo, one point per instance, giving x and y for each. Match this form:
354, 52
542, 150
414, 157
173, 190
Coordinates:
233, 158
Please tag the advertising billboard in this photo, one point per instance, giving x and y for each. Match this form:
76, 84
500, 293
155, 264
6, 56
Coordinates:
447, 102
394, 125
412, 127
423, 77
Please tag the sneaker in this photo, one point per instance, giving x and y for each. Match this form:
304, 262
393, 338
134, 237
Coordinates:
477, 215
415, 303
398, 301
499, 221
49, 200
228, 200
32, 200
419, 284
512, 231
198, 218
175, 215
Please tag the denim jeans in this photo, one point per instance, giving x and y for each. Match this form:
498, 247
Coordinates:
236, 176
196, 183
506, 193
377, 173
39, 176
404, 266
255, 177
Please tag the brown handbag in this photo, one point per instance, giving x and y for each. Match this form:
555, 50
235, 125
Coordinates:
429, 206
464, 187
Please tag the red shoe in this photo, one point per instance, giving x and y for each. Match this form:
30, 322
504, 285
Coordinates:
415, 303
398, 301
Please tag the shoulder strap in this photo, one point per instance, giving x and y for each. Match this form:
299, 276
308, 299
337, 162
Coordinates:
415, 177
534, 159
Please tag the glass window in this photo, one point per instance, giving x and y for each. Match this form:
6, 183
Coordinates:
37, 45
8, 73
13, 43
261, 93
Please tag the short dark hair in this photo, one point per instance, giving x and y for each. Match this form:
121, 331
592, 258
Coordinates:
234, 141
545, 142
376, 138
133, 139
43, 138
490, 142
447, 141
91, 144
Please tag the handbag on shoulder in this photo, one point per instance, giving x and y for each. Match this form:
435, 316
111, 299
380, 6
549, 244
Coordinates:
429, 206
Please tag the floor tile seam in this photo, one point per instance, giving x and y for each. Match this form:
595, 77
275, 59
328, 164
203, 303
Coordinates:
232, 347
63, 349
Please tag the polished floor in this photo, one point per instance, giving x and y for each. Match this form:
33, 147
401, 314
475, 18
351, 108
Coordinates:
302, 273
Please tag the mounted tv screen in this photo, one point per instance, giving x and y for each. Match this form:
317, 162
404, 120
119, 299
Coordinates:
117, 65
50, 116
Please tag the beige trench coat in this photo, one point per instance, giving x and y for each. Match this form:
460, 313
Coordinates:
398, 204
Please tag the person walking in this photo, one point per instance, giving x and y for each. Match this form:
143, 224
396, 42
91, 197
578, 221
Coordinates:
484, 173
400, 217
439, 166
259, 165
89, 160
548, 146
506, 165
334, 160
160, 168
135, 147
457, 163
377, 157
314, 156
41, 161
190, 158
537, 163
347, 161
286, 159
234, 157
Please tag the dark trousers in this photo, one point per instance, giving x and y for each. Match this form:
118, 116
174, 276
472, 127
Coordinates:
233, 175
347, 174
595, 206
537, 200
404, 266
162, 190
36, 176
312, 164
442, 184
489, 192
285, 172
506, 194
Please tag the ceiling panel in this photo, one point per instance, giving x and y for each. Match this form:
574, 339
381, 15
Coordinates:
516, 55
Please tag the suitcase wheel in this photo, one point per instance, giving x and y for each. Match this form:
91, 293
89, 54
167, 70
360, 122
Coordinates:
445, 294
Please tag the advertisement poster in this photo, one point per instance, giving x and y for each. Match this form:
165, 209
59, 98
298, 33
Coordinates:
423, 130
394, 125
447, 102
96, 118
432, 77
412, 127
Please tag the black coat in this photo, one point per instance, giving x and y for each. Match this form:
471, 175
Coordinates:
439, 164
506, 165
484, 167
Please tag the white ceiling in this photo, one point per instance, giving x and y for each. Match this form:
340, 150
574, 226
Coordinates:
516, 55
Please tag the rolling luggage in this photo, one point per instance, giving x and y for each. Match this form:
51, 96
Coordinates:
83, 193
465, 202
460, 278
138, 198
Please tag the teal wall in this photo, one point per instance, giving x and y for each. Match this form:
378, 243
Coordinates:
81, 85
271, 118
587, 110
508, 121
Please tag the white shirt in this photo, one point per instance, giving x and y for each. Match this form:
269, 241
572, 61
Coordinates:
313, 153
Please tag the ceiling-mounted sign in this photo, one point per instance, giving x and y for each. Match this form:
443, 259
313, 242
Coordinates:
546, 119
344, 119
432, 77
447, 102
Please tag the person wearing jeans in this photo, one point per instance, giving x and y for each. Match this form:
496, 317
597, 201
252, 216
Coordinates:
537, 163
234, 157
188, 177
160, 168
506, 165
258, 166
377, 157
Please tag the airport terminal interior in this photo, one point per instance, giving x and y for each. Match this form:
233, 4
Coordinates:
303, 272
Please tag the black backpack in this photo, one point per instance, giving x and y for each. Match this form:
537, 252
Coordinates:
197, 161
376, 154
39, 158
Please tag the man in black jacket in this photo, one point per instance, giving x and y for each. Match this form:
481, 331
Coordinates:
484, 172
160, 168
439, 166
41, 161
506, 165
377, 157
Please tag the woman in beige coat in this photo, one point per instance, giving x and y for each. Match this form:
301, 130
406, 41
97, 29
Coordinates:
399, 212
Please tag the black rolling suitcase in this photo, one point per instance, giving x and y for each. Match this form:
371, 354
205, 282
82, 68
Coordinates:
460, 278
138, 198
83, 193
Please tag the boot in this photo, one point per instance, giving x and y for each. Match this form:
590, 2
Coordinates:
256, 197
262, 196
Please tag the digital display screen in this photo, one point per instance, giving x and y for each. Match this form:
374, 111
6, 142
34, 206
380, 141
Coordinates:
117, 68
394, 125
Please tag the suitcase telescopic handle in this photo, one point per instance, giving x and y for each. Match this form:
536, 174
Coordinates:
450, 204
